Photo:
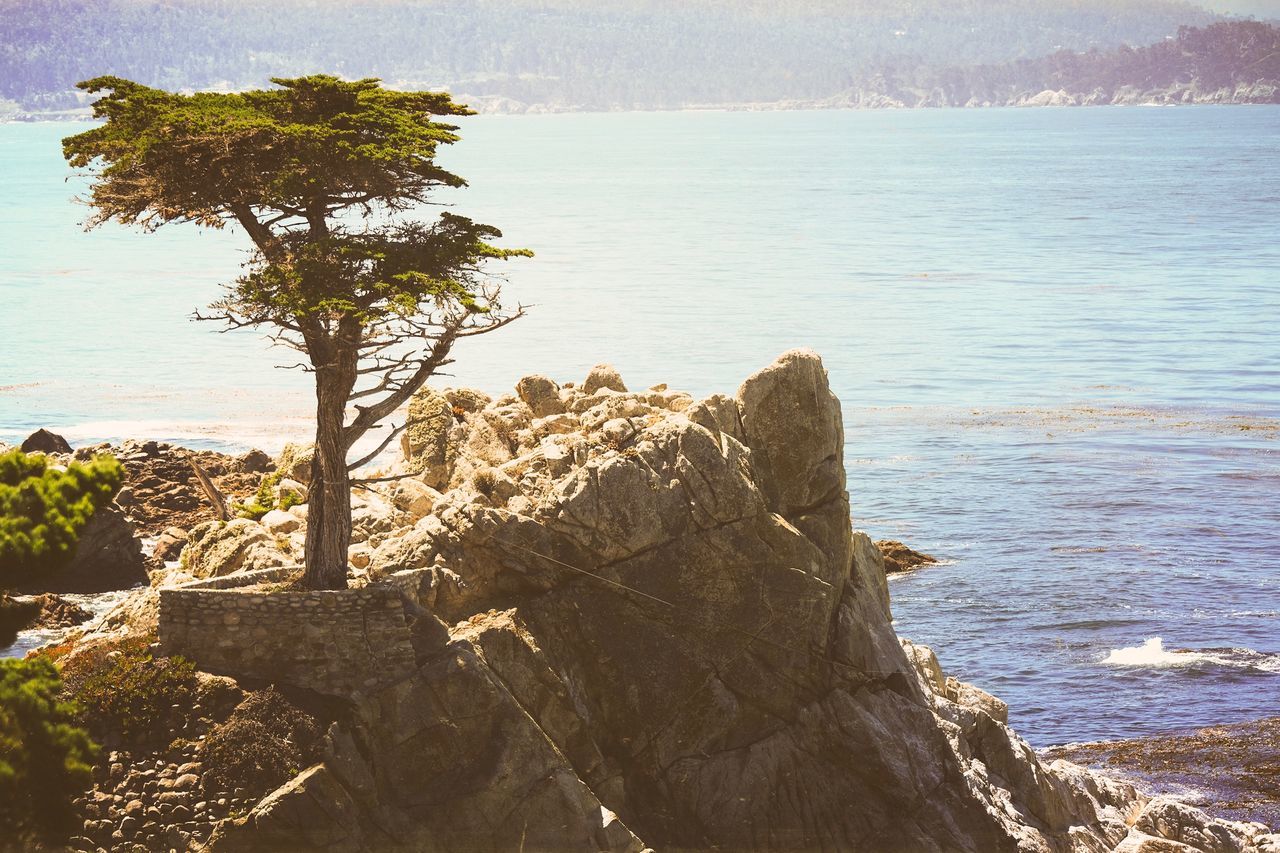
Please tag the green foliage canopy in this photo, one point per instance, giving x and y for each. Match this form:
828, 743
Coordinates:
315, 141
45, 759
293, 157
43, 509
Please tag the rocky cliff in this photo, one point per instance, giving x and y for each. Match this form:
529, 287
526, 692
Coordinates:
646, 623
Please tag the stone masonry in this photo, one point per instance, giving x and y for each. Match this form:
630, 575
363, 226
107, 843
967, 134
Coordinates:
336, 642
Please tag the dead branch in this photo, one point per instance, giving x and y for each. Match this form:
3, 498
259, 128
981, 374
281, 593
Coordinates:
211, 492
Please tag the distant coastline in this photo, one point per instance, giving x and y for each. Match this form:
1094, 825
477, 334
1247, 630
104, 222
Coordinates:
1232, 62
1047, 98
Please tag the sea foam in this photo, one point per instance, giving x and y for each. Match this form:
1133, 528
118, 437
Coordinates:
1152, 653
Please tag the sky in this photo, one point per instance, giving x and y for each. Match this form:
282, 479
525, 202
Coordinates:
1257, 8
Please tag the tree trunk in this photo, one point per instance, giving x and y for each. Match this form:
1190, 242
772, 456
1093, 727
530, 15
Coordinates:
329, 495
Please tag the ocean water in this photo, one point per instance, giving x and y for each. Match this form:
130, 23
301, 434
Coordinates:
1055, 332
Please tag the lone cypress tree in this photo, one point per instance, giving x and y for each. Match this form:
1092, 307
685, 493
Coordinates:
319, 173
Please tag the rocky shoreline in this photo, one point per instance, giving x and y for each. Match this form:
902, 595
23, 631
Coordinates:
630, 620
1231, 770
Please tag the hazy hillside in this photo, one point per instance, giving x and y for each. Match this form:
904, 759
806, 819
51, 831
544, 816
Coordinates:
556, 53
1226, 62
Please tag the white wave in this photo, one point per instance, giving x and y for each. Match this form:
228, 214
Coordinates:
1152, 653
232, 434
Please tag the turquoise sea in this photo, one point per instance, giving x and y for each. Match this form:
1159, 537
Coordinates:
1056, 334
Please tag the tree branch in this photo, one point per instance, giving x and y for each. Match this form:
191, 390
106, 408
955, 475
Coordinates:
363, 482
365, 460
262, 235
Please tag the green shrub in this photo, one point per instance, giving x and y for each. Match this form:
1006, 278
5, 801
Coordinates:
265, 742
265, 499
124, 690
43, 510
45, 760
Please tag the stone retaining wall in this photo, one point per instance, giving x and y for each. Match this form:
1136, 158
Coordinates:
337, 642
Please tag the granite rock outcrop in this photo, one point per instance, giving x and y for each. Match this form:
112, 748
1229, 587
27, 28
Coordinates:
645, 621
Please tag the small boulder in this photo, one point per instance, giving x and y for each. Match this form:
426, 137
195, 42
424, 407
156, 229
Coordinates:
900, 558
292, 488
359, 556
413, 497
466, 400
603, 376
541, 395
169, 544
43, 441
253, 462
371, 514
278, 521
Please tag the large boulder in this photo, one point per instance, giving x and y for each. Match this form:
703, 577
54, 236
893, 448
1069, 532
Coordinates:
47, 611
108, 556
43, 441
16, 614
218, 548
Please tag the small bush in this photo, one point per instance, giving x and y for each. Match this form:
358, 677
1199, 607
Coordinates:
43, 510
265, 742
124, 690
45, 760
485, 481
265, 499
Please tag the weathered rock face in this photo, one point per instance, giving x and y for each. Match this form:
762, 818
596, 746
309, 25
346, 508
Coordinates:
665, 634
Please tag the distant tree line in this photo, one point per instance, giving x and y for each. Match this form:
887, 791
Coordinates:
1198, 64
595, 54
